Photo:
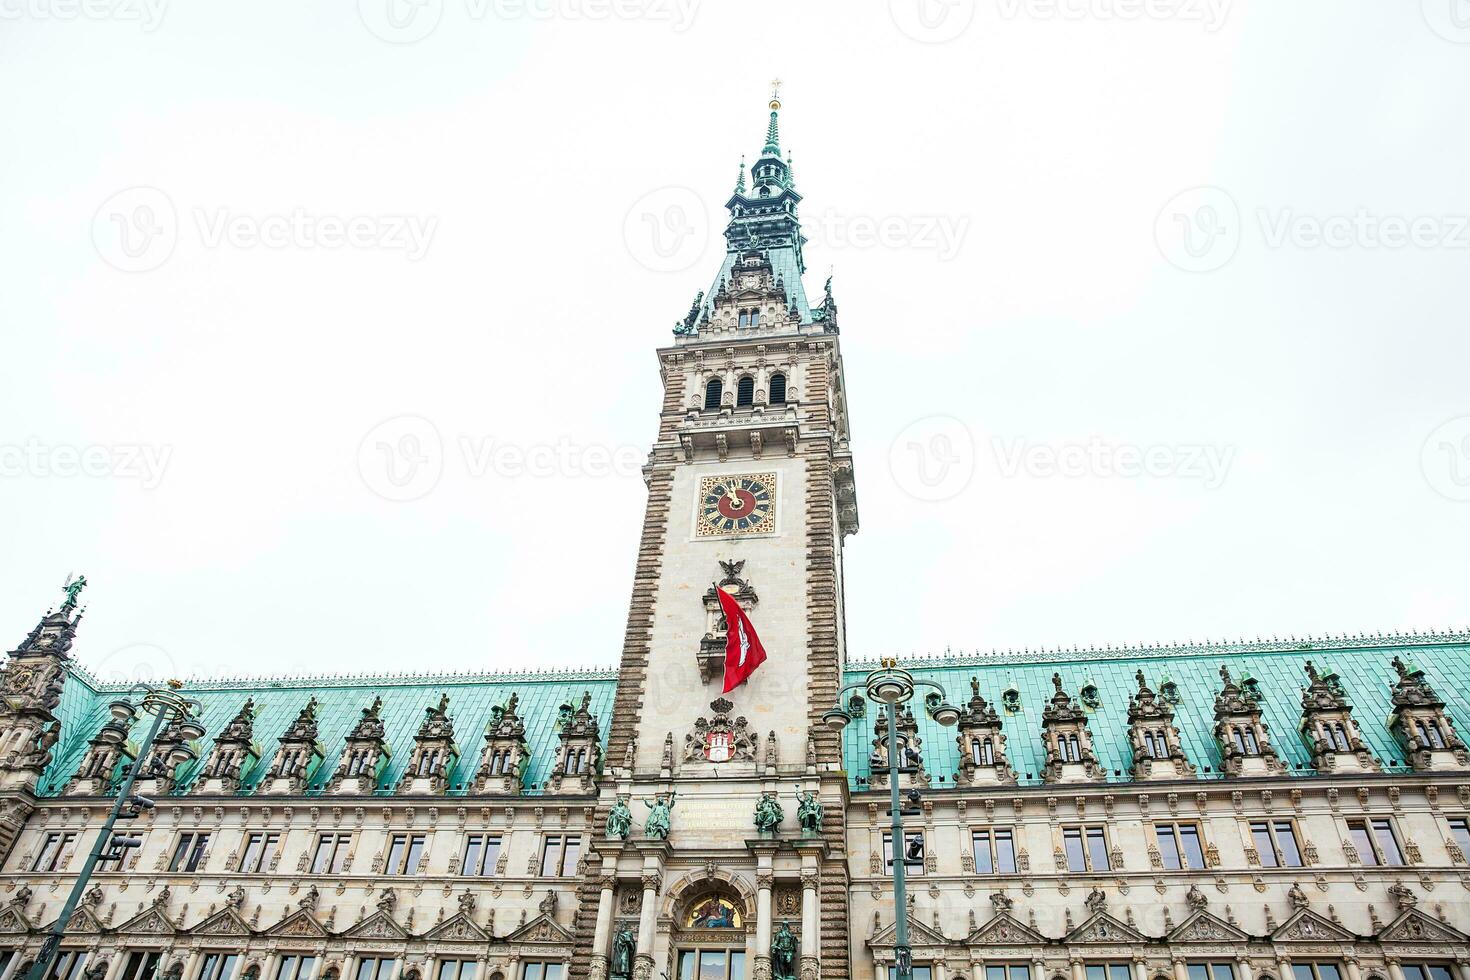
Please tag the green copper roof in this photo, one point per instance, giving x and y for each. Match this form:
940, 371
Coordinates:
1364, 665
340, 702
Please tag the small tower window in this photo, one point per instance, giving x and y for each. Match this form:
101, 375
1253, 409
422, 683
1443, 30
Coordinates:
750, 318
745, 391
713, 392
778, 389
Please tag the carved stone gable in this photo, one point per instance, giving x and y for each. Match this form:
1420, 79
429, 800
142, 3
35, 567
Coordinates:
1004, 930
1307, 926
542, 929
379, 925
459, 928
1103, 928
149, 922
919, 935
1416, 927
298, 924
82, 920
12, 921
225, 922
1202, 927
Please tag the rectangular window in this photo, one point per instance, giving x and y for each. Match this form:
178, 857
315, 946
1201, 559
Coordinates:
559, 855
1211, 971
259, 849
1086, 848
1460, 832
1108, 971
1012, 971
140, 966
294, 967
1375, 840
1316, 971
914, 844
51, 848
331, 853
710, 964
552, 971
456, 970
404, 852
189, 852
216, 965
1275, 842
995, 850
374, 968
481, 855
922, 971
1179, 846
1427, 971
67, 965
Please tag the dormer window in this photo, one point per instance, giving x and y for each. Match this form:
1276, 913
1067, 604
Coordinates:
1070, 747
778, 389
745, 392
1430, 734
1169, 691
713, 392
750, 317
1010, 699
1090, 696
1156, 744
1245, 740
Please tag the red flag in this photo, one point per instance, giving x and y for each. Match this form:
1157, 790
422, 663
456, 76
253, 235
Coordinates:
743, 650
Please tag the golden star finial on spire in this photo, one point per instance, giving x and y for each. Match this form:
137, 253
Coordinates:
775, 94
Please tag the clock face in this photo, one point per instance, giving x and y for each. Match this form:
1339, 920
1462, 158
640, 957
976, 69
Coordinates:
736, 505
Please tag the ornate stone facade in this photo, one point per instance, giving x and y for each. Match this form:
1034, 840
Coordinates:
616, 823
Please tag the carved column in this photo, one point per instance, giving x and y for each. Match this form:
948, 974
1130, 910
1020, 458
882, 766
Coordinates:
1244, 971
602, 936
1140, 969
647, 920
1283, 968
1038, 969
1395, 969
114, 966
1354, 968
1181, 971
10, 967
1079, 972
764, 880
239, 967
810, 925
191, 965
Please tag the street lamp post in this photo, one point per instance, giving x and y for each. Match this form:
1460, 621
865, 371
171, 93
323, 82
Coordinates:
165, 704
892, 687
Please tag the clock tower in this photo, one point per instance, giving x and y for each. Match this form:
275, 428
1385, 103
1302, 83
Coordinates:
750, 490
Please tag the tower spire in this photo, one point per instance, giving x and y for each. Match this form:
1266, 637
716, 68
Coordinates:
740, 181
773, 134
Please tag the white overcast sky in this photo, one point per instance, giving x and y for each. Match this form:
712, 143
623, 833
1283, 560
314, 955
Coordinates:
1091, 401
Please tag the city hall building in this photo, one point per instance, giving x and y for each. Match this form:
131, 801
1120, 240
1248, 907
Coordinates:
1256, 811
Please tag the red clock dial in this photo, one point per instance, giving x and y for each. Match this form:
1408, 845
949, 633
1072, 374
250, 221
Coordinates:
737, 503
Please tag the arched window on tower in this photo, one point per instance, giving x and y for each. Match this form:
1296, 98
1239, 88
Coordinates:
745, 392
778, 389
713, 392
